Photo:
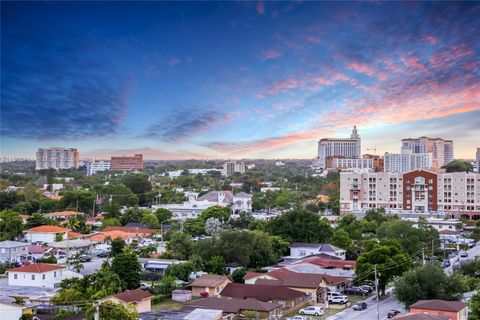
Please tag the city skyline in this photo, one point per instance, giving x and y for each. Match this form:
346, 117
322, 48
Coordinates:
232, 80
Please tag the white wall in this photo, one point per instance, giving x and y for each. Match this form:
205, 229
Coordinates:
40, 237
10, 312
25, 278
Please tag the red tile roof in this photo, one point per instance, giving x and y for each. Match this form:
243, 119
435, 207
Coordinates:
136, 295
260, 292
64, 213
304, 280
328, 263
251, 275
422, 316
37, 268
73, 234
128, 229
47, 229
440, 305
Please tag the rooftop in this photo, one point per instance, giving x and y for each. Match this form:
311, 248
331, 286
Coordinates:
63, 214
260, 292
422, 316
37, 268
209, 280
232, 305
47, 229
441, 305
12, 244
136, 295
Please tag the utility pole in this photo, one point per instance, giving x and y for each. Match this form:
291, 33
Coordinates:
96, 315
423, 255
433, 243
376, 289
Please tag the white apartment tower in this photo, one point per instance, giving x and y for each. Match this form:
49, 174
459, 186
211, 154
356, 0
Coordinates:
349, 148
97, 165
441, 150
229, 168
57, 158
407, 161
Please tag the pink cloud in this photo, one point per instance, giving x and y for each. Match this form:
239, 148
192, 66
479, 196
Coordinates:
174, 61
430, 39
284, 85
414, 62
271, 54
260, 7
366, 69
313, 39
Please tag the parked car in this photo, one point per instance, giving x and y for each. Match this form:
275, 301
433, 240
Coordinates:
102, 254
446, 263
360, 306
144, 286
463, 254
367, 287
338, 299
355, 290
312, 310
85, 258
299, 318
392, 313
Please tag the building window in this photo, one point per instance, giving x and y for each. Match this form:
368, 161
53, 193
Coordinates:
33, 277
43, 277
54, 274
15, 276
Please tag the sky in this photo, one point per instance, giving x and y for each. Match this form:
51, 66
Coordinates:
227, 80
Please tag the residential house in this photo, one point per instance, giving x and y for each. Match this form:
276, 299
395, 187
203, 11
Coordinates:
286, 297
45, 234
63, 215
302, 250
331, 267
36, 275
262, 310
11, 311
456, 310
141, 299
242, 202
204, 314
421, 316
211, 283
13, 251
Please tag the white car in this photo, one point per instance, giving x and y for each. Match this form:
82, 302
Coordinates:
338, 299
312, 310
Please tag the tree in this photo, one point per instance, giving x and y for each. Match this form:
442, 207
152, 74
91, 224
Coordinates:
11, 225
212, 226
390, 262
238, 275
75, 261
458, 166
475, 306
216, 265
341, 239
300, 226
194, 227
133, 215
128, 268
59, 236
111, 310
117, 246
163, 214
110, 222
180, 271
180, 245
166, 285
48, 258
428, 282
150, 220
197, 262
221, 213
105, 282
139, 185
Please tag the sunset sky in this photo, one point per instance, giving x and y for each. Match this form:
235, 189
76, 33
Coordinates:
178, 80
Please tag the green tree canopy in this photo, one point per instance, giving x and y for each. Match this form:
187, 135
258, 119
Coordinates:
128, 268
11, 225
180, 271
117, 246
458, 166
111, 310
163, 214
216, 265
180, 245
221, 213
300, 226
429, 282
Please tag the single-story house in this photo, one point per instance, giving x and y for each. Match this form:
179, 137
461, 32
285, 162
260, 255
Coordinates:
283, 296
263, 310
13, 311
181, 295
36, 275
13, 251
142, 299
204, 314
63, 215
421, 316
456, 310
301, 250
45, 233
211, 283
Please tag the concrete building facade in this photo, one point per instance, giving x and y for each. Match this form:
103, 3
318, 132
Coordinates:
57, 158
125, 163
441, 150
456, 194
230, 168
96, 166
407, 161
349, 148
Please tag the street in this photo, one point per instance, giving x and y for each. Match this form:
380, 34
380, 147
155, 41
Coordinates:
472, 253
371, 312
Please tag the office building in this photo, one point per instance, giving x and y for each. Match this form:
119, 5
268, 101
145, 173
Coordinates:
349, 148
230, 168
457, 194
57, 158
478, 160
378, 161
407, 161
125, 163
96, 166
339, 163
441, 150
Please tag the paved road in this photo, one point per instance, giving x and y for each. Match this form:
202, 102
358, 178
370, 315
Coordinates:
92, 266
371, 312
472, 253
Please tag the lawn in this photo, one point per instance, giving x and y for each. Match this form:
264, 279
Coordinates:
167, 304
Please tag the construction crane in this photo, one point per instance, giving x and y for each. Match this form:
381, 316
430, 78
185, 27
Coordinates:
374, 149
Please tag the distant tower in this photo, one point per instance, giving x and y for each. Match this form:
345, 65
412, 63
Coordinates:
354, 133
